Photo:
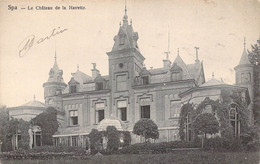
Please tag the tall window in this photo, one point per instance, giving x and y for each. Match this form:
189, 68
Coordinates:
73, 117
100, 112
233, 117
74, 141
121, 82
122, 110
73, 89
145, 80
145, 111
175, 109
99, 85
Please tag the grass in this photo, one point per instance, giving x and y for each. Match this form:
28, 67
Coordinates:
183, 157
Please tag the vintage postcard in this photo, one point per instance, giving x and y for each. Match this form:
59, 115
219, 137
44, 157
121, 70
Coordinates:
103, 63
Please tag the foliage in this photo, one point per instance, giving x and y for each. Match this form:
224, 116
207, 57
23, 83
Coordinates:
113, 138
127, 138
156, 147
254, 57
95, 138
221, 109
146, 128
48, 123
254, 54
206, 123
23, 127
8, 128
185, 110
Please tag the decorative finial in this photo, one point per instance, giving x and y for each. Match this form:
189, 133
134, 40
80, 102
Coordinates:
125, 21
244, 42
213, 75
77, 67
125, 8
55, 57
178, 52
197, 55
33, 97
131, 21
120, 23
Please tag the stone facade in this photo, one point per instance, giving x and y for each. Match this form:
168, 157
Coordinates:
130, 92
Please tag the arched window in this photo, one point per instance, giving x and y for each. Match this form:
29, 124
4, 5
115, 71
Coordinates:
234, 119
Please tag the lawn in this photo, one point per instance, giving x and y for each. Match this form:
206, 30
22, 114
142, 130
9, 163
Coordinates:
178, 157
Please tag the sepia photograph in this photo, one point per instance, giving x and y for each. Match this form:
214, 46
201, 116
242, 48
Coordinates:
129, 81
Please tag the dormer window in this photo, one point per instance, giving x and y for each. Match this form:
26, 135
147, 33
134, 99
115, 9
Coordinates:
145, 80
100, 82
73, 85
176, 72
73, 89
99, 86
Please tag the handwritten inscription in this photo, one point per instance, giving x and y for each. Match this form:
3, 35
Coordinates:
31, 40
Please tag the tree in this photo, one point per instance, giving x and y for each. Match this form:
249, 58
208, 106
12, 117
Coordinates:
206, 123
48, 123
95, 138
254, 57
146, 128
8, 128
113, 138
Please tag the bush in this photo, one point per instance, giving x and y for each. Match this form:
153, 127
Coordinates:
95, 138
156, 147
146, 128
127, 138
113, 138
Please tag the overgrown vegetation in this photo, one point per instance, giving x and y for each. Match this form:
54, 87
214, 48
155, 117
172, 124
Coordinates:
48, 123
254, 57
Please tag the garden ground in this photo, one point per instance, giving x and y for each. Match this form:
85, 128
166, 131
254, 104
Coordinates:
180, 157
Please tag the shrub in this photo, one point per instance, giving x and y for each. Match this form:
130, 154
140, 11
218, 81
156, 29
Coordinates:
127, 138
146, 128
95, 138
113, 138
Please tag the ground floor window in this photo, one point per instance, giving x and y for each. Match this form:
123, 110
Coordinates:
145, 111
74, 141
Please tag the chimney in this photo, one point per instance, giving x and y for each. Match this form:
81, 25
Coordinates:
95, 71
166, 63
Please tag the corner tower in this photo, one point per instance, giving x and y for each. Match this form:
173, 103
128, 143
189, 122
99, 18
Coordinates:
55, 84
244, 76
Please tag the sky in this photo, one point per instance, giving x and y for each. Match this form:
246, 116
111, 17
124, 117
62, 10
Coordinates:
217, 27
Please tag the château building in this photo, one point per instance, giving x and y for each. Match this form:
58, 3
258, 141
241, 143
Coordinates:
131, 91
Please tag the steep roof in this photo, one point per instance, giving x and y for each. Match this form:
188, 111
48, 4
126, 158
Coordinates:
55, 74
81, 77
180, 62
244, 58
127, 35
176, 68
